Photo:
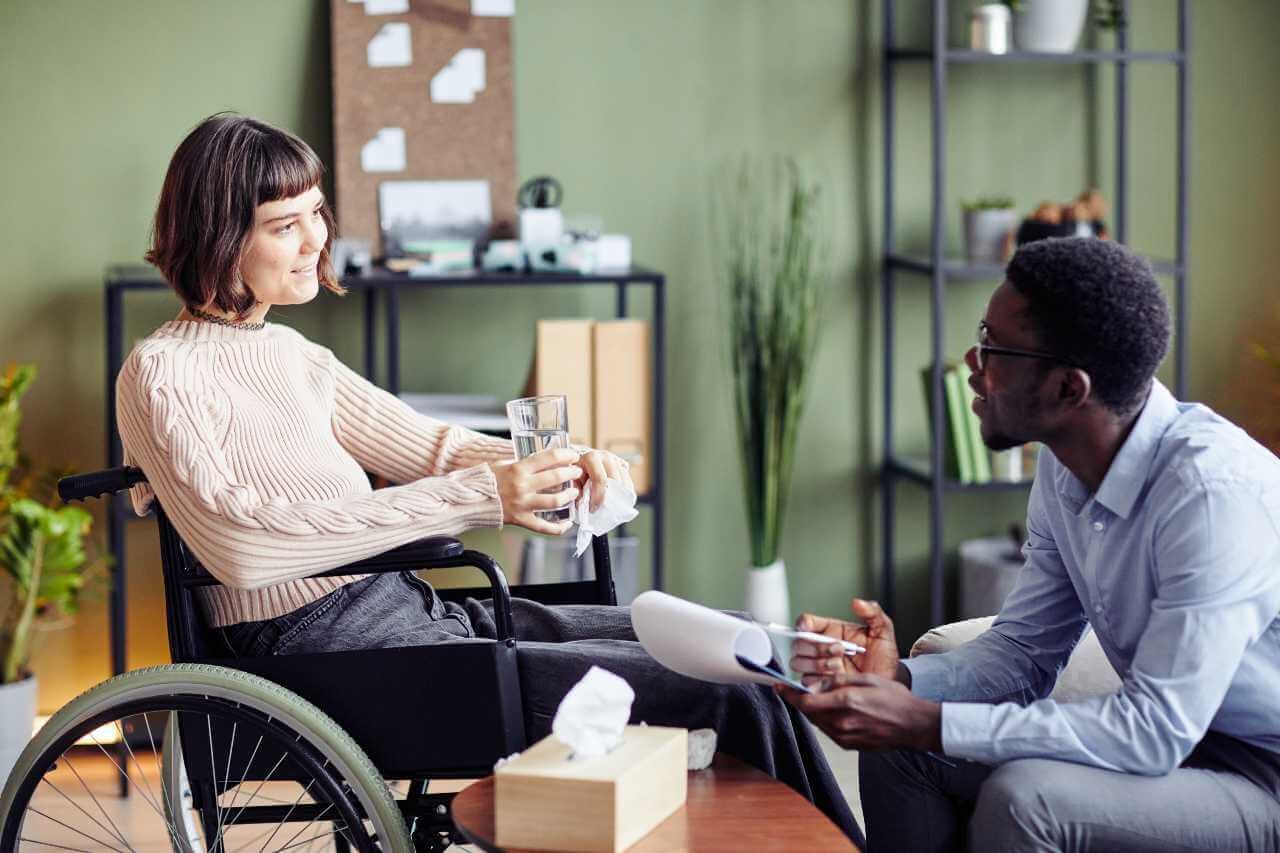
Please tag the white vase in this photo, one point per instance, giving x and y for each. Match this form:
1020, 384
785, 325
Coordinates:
17, 718
767, 598
1049, 26
986, 233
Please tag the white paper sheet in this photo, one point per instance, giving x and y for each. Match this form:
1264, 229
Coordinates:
493, 8
391, 46
386, 7
699, 642
458, 82
385, 152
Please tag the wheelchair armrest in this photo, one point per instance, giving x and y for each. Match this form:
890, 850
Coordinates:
419, 554
80, 487
440, 552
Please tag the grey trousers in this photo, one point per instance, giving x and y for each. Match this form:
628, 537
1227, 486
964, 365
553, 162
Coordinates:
556, 646
913, 802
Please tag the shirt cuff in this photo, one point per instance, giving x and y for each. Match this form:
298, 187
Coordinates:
966, 731
930, 676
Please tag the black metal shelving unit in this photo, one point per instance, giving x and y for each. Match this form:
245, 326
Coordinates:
386, 288
940, 270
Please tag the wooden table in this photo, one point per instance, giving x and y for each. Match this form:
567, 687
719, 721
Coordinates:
731, 807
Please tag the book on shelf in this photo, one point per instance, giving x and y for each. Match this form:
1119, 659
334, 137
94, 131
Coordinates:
965, 457
981, 456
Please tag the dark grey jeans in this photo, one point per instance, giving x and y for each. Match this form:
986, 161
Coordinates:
556, 647
1224, 797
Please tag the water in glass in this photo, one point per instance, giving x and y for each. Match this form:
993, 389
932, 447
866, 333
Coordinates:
530, 441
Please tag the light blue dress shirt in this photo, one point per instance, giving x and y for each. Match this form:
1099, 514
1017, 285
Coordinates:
1175, 563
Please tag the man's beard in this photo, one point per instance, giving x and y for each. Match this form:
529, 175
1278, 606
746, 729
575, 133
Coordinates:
997, 438
1000, 441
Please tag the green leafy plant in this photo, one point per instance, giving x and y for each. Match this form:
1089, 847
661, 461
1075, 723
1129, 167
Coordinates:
1107, 14
988, 202
773, 274
46, 555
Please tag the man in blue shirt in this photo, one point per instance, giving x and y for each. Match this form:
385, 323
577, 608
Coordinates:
1152, 521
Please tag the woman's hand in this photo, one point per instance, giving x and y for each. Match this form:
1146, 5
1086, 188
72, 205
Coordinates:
598, 466
819, 662
521, 485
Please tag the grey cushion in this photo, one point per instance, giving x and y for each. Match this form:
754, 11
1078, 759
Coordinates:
1088, 672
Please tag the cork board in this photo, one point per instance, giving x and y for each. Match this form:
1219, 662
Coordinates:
442, 141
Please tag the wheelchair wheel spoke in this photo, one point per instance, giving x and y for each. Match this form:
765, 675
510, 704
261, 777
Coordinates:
77, 831
289, 841
125, 773
254, 795
51, 844
118, 834
313, 839
285, 819
82, 810
136, 763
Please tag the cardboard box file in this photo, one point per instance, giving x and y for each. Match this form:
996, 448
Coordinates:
623, 399
562, 365
544, 801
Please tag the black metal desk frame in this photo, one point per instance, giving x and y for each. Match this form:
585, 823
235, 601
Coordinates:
121, 280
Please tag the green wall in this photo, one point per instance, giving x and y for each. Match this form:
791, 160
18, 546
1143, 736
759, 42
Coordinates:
632, 106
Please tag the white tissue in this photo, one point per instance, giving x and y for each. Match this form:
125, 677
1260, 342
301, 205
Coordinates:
619, 507
702, 748
593, 714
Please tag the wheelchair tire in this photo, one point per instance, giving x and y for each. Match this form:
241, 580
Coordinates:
352, 782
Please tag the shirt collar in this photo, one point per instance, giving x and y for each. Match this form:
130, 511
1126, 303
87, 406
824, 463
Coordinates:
1130, 469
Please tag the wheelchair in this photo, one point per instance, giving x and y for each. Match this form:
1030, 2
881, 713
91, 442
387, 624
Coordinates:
298, 752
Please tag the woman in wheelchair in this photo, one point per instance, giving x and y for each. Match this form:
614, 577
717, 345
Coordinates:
257, 441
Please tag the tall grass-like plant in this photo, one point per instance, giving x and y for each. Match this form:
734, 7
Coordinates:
774, 270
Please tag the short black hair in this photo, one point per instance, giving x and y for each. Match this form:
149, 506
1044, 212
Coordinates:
1098, 306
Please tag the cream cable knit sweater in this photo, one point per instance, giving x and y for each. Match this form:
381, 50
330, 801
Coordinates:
257, 444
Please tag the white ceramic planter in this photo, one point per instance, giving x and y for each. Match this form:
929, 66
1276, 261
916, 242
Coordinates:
985, 234
17, 717
1049, 26
767, 598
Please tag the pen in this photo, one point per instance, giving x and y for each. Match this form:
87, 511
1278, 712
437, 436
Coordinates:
775, 628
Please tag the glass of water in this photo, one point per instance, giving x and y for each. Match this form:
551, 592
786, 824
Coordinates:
539, 423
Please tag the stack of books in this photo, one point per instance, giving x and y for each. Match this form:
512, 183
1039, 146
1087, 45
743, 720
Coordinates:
967, 459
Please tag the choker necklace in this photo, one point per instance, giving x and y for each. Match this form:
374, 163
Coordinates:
223, 321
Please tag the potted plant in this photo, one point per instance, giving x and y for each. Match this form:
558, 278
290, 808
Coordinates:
773, 275
989, 223
44, 565
1054, 26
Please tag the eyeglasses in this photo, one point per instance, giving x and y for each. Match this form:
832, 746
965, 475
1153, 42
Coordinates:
984, 349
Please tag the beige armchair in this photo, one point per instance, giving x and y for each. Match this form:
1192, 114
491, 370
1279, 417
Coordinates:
1088, 672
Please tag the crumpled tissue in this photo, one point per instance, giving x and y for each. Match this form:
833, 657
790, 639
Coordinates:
619, 507
593, 714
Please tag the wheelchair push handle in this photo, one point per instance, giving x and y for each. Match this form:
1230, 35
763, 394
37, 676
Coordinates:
79, 487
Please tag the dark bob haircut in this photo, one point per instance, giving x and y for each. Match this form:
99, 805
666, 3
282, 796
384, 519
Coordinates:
1097, 305
219, 175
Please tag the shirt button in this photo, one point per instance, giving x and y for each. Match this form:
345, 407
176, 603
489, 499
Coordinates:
1099, 526
1097, 608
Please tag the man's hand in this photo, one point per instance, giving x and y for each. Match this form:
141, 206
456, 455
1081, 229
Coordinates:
870, 712
816, 661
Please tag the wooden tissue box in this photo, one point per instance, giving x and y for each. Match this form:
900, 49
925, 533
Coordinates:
544, 801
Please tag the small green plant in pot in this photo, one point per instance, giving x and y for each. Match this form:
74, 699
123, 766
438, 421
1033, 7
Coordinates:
773, 270
1054, 26
989, 225
46, 559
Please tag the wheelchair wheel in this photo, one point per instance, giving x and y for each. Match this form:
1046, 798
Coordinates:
267, 771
